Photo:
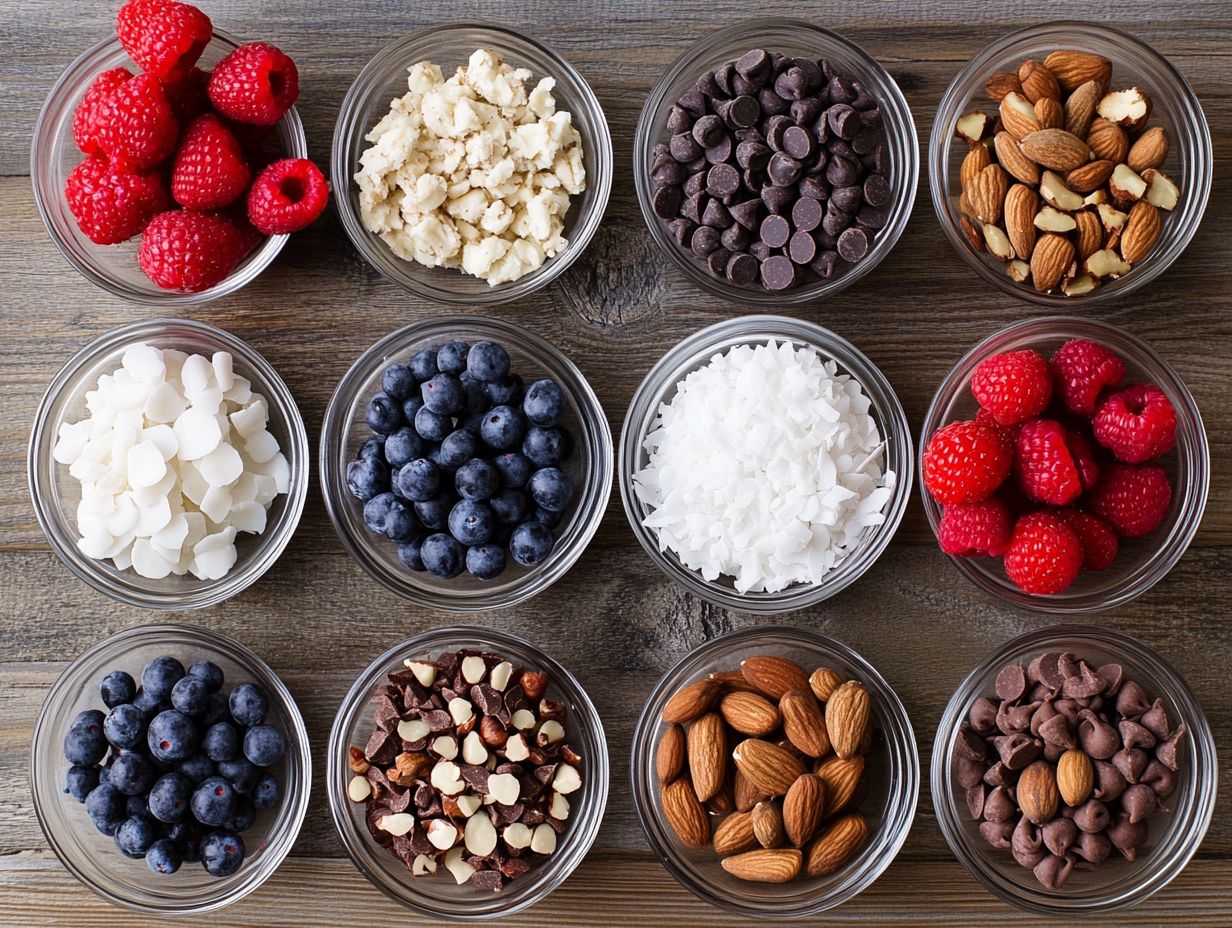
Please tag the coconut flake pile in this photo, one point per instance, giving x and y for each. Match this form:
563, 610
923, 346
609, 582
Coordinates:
766, 467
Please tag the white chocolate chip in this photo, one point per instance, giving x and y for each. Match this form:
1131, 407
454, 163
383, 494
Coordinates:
543, 841
413, 730
517, 836
460, 710
499, 678
566, 780
423, 865
459, 868
480, 835
504, 788
516, 748
473, 750
473, 669
442, 834
359, 789
398, 824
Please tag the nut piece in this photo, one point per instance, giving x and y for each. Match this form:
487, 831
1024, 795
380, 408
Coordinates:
358, 789
803, 807
534, 683
773, 676
735, 834
767, 823
1018, 270
764, 865
685, 814
1056, 149
1021, 205
1050, 260
971, 127
998, 242
849, 718
768, 767
1125, 186
396, 825
1075, 777
1105, 263
359, 763
1037, 792
707, 744
824, 681
1079, 286
1112, 218
1162, 192
1141, 232
691, 701
1080, 108
1052, 220
669, 760
837, 844
1150, 150
1072, 68
1129, 109
842, 778
1009, 153
749, 713
803, 723
1055, 193
1108, 141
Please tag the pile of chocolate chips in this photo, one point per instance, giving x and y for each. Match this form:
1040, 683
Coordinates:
775, 172
1061, 705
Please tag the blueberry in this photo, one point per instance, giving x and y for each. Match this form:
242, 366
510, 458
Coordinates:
209, 672
509, 507
477, 479
432, 426
434, 513
138, 805
398, 381
172, 736
451, 358
365, 479
217, 711
409, 553
544, 403
502, 428
475, 400
245, 814
402, 447
485, 562
135, 836
222, 853
501, 535
85, 743
160, 675
375, 511
105, 806
546, 517
442, 556
384, 414
551, 489
104, 772
131, 774
411, 406
506, 391
515, 469
373, 449
400, 523
248, 705
213, 801
191, 696
419, 480
267, 792
444, 395
117, 688
125, 726
221, 742
487, 361
147, 703
423, 365
169, 797
530, 544
187, 837
242, 774
263, 745
458, 448
471, 522
164, 856
543, 446
196, 768
80, 781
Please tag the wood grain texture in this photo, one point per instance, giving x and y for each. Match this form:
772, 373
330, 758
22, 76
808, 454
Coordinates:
613, 620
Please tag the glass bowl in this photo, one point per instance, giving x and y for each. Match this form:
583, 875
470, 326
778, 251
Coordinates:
54, 154
450, 45
439, 896
1116, 883
890, 784
696, 351
797, 38
1140, 563
1175, 106
590, 466
91, 856
55, 493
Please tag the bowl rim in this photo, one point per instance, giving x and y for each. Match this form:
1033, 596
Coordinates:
293, 720
1183, 530
887, 237
941, 139
694, 351
269, 548
256, 262
367, 243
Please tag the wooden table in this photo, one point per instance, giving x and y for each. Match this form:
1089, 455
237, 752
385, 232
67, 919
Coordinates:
318, 619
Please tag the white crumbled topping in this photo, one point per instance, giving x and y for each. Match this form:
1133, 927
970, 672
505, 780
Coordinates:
764, 467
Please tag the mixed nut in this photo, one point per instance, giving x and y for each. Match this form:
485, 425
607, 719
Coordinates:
1064, 184
763, 765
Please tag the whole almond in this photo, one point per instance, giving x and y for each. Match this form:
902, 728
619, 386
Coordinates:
724, 800
1141, 232
837, 844
1018, 115
731, 681
1073, 68
685, 814
1050, 113
1037, 81
1090, 233
764, 865
803, 807
1149, 151
1080, 108
691, 701
803, 722
1050, 259
1108, 140
1002, 83
1021, 205
735, 834
823, 681
1037, 792
1090, 176
767, 823
773, 676
669, 759
973, 162
987, 195
707, 742
1009, 154
768, 767
1056, 149
749, 713
849, 718
1075, 777
841, 775
746, 794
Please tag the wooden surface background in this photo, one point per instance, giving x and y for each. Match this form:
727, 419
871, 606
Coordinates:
318, 619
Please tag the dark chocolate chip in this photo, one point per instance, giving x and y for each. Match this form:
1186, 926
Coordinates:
743, 112
823, 265
736, 237
784, 170
792, 84
752, 155
679, 120
684, 147
843, 120
773, 128
864, 142
813, 78
778, 199
667, 173
802, 248
876, 190
694, 101
806, 214
760, 251
775, 231
666, 202
805, 111
719, 152
717, 260
747, 214
693, 207
814, 188
835, 222
872, 217
722, 180
770, 103
708, 130
778, 273
723, 77
863, 100
704, 241
841, 173
487, 879
717, 216
742, 269
754, 64
708, 86
797, 143
853, 245
682, 231
743, 87
695, 184
839, 90
848, 199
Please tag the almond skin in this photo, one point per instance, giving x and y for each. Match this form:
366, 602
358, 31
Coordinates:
1056, 149
1050, 259
669, 759
1108, 140
1141, 232
1001, 84
1021, 205
1090, 233
1149, 151
803, 807
724, 800
1075, 777
749, 713
1080, 108
987, 193
823, 681
764, 865
767, 823
1018, 116
837, 844
1037, 792
768, 767
691, 701
773, 676
1037, 81
1090, 176
731, 681
685, 814
1073, 68
746, 794
707, 742
803, 723
849, 718
735, 834
975, 161
1019, 166
841, 776
1050, 113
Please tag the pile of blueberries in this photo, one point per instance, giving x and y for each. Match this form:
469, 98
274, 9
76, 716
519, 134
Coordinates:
176, 770
463, 468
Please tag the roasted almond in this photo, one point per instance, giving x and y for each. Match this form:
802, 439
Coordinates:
746, 794
1149, 151
842, 778
1018, 116
1009, 154
1037, 81
690, 701
975, 161
823, 681
769, 768
1021, 205
1141, 232
998, 242
803, 807
749, 713
1090, 233
1050, 259
731, 680
803, 722
767, 823
773, 676
849, 718
670, 757
685, 814
1037, 793
735, 834
1075, 777
1080, 108
764, 865
837, 844
1002, 83
1073, 68
1108, 140
987, 195
707, 743
724, 800
1050, 113
1056, 149
1090, 176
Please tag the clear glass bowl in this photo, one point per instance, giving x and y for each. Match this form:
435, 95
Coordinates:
54, 154
890, 785
55, 493
1175, 106
1116, 883
450, 45
92, 856
589, 467
439, 896
694, 352
798, 38
1141, 562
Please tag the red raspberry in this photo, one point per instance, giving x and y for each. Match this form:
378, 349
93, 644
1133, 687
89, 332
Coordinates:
1133, 497
1045, 465
1136, 424
111, 206
985, 417
1080, 370
85, 117
287, 196
209, 170
187, 95
134, 125
981, 528
965, 462
256, 83
165, 38
1099, 541
1084, 457
1013, 386
1044, 555
190, 251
